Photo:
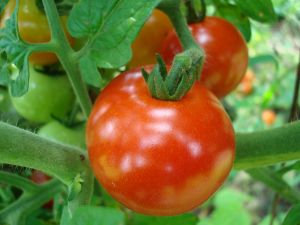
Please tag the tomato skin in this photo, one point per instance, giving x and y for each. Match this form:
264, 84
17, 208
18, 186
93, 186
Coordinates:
225, 49
159, 157
47, 96
33, 28
148, 42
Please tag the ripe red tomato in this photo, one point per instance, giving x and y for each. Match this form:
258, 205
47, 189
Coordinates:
33, 28
159, 157
39, 177
225, 49
148, 42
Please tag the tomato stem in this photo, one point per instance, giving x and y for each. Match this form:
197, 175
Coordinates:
65, 53
172, 9
267, 147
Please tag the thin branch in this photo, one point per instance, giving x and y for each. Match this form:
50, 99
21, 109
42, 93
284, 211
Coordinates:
295, 107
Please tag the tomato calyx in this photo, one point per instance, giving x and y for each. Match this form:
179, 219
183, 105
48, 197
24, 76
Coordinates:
174, 85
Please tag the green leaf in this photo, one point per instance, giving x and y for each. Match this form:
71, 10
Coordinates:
228, 202
259, 10
186, 219
237, 18
17, 53
293, 216
91, 215
85, 18
265, 58
111, 27
230, 197
90, 72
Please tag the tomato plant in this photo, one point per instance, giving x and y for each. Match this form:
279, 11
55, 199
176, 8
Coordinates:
159, 157
48, 95
225, 49
148, 42
161, 146
33, 28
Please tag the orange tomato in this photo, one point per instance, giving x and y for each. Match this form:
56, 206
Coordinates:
246, 85
33, 28
268, 116
148, 42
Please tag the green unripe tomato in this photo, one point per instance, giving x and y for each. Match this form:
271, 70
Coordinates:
47, 96
5, 102
60, 133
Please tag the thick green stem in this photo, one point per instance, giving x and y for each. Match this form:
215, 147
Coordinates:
268, 147
58, 35
66, 56
23, 148
253, 150
172, 9
73, 72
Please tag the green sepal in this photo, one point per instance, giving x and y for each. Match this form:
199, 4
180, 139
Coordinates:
184, 72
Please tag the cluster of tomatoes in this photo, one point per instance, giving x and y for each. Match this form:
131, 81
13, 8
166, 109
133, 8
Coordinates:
156, 157
167, 157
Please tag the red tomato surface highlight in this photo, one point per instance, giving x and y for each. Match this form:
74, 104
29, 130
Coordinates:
159, 157
226, 53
